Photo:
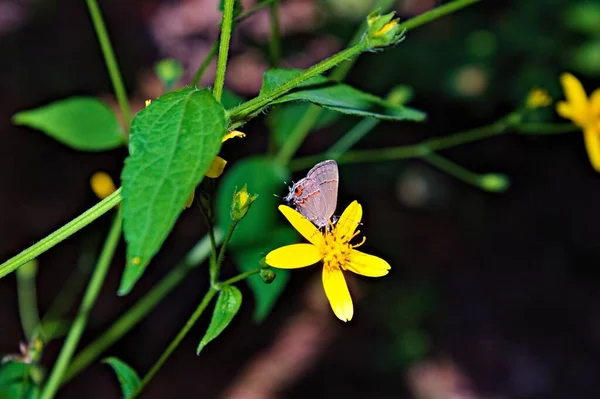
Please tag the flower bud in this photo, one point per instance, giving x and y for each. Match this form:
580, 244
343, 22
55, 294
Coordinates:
382, 31
267, 276
241, 203
494, 182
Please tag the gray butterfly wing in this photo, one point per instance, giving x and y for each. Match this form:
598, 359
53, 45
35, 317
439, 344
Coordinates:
325, 175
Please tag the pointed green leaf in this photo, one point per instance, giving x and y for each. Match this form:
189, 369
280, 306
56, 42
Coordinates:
264, 178
247, 258
173, 142
227, 306
338, 97
82, 123
127, 376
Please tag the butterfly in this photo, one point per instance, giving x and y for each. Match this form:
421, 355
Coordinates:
315, 196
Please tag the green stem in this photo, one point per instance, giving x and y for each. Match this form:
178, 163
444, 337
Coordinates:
62, 233
274, 40
436, 13
230, 231
26, 292
546, 128
226, 27
453, 169
407, 151
352, 137
173, 345
215, 46
93, 289
239, 114
239, 277
205, 64
141, 309
50, 326
109, 59
252, 10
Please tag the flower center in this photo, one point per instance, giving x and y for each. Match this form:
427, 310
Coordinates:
336, 249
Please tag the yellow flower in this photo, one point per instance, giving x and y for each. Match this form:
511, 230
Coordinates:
218, 164
102, 184
334, 249
583, 112
538, 98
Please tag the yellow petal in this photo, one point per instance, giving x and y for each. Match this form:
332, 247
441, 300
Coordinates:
367, 265
303, 225
565, 110
189, 201
591, 136
349, 220
576, 97
337, 292
102, 184
294, 256
216, 168
595, 103
233, 134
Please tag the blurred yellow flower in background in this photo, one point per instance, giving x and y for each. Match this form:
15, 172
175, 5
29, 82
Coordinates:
102, 184
583, 112
334, 249
538, 98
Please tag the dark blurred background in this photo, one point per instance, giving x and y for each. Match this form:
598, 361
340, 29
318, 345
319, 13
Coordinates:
490, 295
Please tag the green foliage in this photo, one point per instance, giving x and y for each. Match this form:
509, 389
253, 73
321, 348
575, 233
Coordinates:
338, 97
264, 178
285, 118
230, 99
584, 17
173, 142
16, 381
82, 123
127, 376
227, 306
585, 59
265, 295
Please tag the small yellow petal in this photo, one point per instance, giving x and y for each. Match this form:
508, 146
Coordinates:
102, 184
232, 134
591, 136
367, 265
216, 168
294, 256
148, 102
349, 220
189, 201
576, 97
565, 110
337, 292
595, 103
303, 225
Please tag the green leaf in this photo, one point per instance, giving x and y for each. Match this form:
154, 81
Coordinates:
173, 142
266, 295
284, 119
227, 306
12, 377
82, 123
127, 376
264, 178
584, 17
338, 97
230, 100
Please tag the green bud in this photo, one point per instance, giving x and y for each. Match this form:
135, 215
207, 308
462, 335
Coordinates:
241, 203
267, 275
169, 71
400, 95
494, 182
382, 31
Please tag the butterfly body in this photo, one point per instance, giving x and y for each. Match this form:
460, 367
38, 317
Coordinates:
315, 196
